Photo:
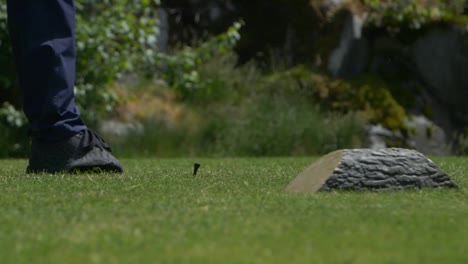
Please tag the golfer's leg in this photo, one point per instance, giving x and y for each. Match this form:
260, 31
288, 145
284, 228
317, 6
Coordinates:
43, 37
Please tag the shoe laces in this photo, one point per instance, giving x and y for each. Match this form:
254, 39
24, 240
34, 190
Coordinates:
92, 140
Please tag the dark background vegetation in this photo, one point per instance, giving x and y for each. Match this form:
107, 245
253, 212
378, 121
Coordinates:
250, 78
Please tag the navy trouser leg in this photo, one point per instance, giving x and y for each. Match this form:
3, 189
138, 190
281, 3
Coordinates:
43, 38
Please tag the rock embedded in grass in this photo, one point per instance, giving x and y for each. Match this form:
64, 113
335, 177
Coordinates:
389, 169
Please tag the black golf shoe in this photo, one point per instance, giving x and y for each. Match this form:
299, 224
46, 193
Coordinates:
85, 151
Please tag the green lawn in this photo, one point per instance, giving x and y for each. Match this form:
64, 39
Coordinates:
234, 211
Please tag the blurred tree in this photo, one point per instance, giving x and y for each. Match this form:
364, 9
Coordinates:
282, 30
8, 93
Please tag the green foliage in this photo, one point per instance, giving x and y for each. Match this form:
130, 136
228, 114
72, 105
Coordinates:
397, 14
415, 13
181, 68
369, 95
13, 125
114, 37
13, 139
380, 107
278, 126
7, 72
460, 146
243, 112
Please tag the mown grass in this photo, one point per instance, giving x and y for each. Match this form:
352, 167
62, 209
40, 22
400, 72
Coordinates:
234, 211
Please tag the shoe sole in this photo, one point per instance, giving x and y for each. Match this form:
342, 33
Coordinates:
106, 168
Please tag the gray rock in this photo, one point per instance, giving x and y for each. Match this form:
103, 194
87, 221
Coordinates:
375, 170
441, 59
164, 30
352, 55
435, 65
378, 136
428, 137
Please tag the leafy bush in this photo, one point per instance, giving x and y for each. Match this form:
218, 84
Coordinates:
281, 126
414, 13
369, 95
13, 125
460, 145
396, 14
113, 38
7, 72
240, 111
13, 140
180, 68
